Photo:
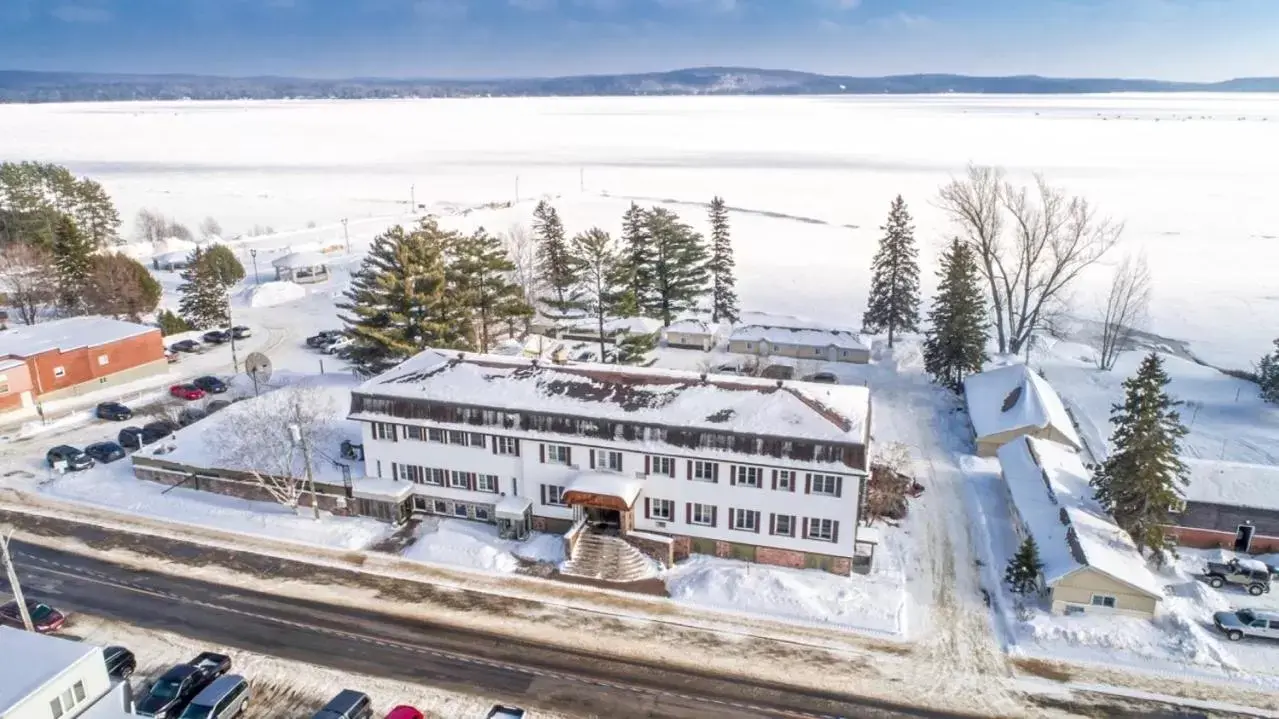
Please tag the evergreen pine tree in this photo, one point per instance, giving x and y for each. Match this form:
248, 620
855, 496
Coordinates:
226, 266
955, 345
634, 348
680, 274
170, 323
1139, 482
483, 269
596, 253
634, 275
559, 272
723, 283
203, 301
72, 264
894, 284
1024, 568
1268, 375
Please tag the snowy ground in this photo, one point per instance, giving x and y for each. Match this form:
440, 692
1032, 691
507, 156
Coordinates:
476, 546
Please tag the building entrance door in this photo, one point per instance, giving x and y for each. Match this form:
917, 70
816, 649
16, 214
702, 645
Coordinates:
607, 521
1243, 538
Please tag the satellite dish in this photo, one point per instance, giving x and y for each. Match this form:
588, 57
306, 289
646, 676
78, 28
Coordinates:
258, 367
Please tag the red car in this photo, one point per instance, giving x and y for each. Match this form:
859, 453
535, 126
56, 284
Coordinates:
405, 712
43, 617
186, 391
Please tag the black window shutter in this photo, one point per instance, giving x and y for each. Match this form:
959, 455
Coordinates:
517, 447
834, 531
395, 472
690, 469
568, 455
494, 443
715, 472
808, 483
592, 459
805, 534
714, 515
648, 508
774, 479
543, 487
730, 518
839, 486
732, 474
756, 521
772, 523
541, 451
688, 513
648, 464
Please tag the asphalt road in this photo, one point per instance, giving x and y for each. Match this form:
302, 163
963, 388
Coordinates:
350, 639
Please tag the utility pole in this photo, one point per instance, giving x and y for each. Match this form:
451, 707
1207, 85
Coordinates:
235, 362
14, 585
253, 252
346, 235
295, 432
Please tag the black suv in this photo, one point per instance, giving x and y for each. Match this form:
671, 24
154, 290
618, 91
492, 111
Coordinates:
216, 337
74, 458
240, 332
120, 662
114, 411
105, 452
185, 346
210, 384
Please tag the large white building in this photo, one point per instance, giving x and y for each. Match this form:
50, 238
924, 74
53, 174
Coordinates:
673, 462
43, 677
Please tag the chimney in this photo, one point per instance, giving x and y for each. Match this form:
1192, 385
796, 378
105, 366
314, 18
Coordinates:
703, 376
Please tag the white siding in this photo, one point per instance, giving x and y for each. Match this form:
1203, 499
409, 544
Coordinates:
90, 672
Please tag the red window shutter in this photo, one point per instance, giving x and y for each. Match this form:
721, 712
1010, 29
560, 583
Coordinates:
732, 474
794, 476
543, 488
805, 534
690, 469
756, 522
834, 531
714, 516
648, 508
648, 462
731, 514
395, 473
470, 481
808, 483
688, 512
839, 486
568, 454
774, 479
541, 450
772, 523
592, 459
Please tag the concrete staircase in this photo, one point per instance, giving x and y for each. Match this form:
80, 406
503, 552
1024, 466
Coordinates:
600, 556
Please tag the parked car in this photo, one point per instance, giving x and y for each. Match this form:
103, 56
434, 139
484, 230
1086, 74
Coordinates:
44, 618
216, 405
170, 694
823, 378
728, 368
120, 662
210, 384
348, 704
240, 332
322, 338
405, 711
113, 411
503, 712
778, 371
185, 346
1251, 574
337, 345
105, 452
157, 430
190, 415
186, 391
130, 438
216, 337
171, 356
1247, 623
75, 459
224, 698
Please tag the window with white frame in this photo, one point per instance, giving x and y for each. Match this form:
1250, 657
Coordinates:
476, 439
460, 480
662, 509
507, 445
826, 484
557, 454
411, 473
554, 495
459, 510
441, 507
609, 460
784, 525
384, 430
746, 520
703, 514
436, 476
1103, 600
435, 435
103, 360
457, 437
482, 514
821, 529
705, 471
661, 465
486, 483
750, 476
418, 433
786, 480
59, 372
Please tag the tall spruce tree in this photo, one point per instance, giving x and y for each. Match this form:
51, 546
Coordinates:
894, 284
203, 301
723, 282
484, 269
1140, 482
559, 272
680, 274
73, 264
635, 265
955, 344
398, 302
1268, 375
1024, 568
596, 253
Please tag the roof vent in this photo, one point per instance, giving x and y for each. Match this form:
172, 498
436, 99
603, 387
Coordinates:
534, 361
461, 355
703, 376
1011, 400
779, 383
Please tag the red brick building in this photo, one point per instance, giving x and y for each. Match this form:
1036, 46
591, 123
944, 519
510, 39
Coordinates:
74, 356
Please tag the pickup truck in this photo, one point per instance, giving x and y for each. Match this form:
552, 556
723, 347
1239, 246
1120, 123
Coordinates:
1250, 574
179, 685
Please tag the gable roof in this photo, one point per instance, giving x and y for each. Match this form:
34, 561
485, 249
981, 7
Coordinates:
67, 334
693, 326
842, 339
645, 395
1234, 484
1049, 488
1015, 397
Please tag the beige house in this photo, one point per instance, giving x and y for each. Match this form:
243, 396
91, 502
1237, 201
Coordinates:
1090, 565
1007, 402
693, 334
303, 268
821, 345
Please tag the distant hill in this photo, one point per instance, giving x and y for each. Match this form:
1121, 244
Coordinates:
25, 86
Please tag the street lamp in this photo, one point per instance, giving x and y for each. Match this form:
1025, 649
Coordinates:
253, 252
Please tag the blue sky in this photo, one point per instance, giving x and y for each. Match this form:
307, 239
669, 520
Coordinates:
1170, 39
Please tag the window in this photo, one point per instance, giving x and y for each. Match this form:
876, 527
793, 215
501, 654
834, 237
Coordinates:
746, 520
827, 484
553, 495
59, 372
507, 445
476, 439
78, 688
103, 360
748, 476
384, 430
662, 509
418, 433
487, 483
55, 706
1103, 600
785, 480
784, 525
461, 480
481, 513
705, 471
557, 454
4, 389
435, 435
822, 530
441, 507
459, 510
436, 476
457, 437
611, 461
703, 514
412, 473
661, 465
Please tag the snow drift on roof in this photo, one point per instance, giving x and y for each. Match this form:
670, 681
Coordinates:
300, 260
842, 339
1015, 397
1235, 484
1048, 480
693, 326
68, 334
609, 485
802, 410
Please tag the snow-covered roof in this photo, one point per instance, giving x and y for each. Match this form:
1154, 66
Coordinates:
612, 485
693, 326
768, 319
178, 257
8, 364
1235, 484
842, 339
1015, 397
1049, 487
67, 334
630, 325
512, 506
299, 260
31, 660
643, 395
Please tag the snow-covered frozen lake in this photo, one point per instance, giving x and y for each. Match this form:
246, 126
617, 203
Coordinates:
1193, 176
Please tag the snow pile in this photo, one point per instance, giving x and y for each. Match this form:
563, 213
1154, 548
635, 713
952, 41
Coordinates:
477, 546
270, 294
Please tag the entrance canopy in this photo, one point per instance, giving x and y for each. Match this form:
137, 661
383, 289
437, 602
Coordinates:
512, 507
608, 491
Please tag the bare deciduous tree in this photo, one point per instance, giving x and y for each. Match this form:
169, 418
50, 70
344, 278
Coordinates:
1031, 244
521, 248
890, 482
210, 229
260, 443
25, 272
151, 226
1126, 305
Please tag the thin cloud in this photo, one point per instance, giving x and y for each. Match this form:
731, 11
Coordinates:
532, 5
81, 13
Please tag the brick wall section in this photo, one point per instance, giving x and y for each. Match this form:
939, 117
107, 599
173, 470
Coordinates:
10, 401
780, 557
723, 550
236, 488
681, 548
1212, 539
663, 552
81, 365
